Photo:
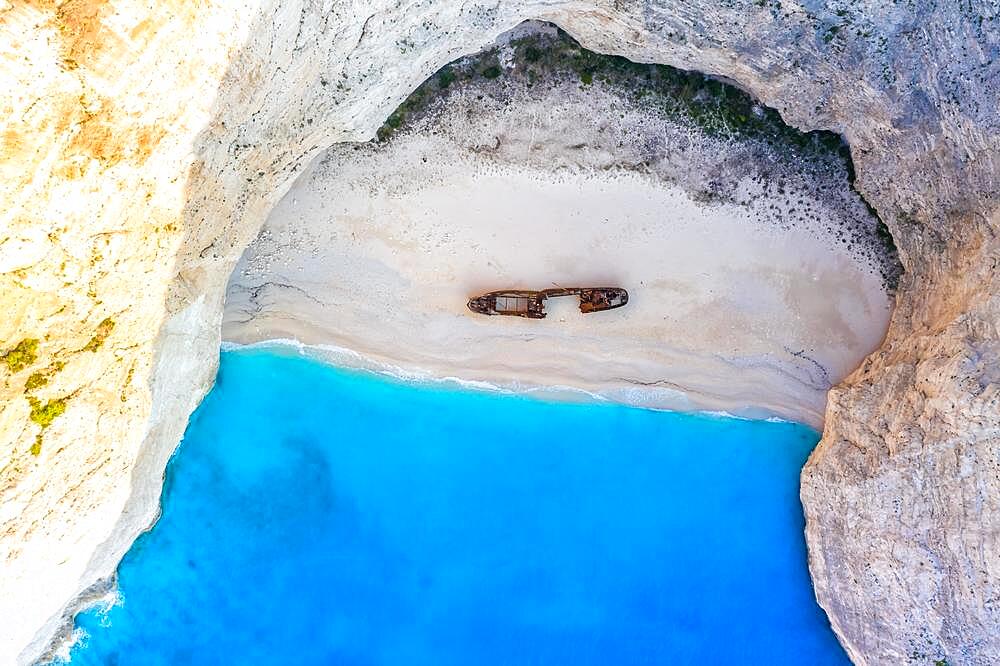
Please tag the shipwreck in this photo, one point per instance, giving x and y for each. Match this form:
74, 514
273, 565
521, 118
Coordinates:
531, 304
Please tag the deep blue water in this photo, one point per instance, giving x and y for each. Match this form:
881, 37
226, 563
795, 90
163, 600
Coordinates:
314, 515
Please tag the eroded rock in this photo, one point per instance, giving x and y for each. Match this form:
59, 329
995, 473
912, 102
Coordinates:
147, 144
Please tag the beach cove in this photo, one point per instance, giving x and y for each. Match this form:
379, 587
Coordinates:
147, 146
757, 276
484, 489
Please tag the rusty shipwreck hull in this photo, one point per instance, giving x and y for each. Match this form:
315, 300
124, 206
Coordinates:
531, 304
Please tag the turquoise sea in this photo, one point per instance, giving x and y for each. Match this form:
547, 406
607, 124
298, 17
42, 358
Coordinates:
314, 515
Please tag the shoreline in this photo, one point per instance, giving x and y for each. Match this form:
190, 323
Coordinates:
351, 360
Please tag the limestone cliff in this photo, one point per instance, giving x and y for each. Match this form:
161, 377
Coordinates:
141, 147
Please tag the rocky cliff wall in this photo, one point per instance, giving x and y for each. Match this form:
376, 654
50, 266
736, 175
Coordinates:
141, 147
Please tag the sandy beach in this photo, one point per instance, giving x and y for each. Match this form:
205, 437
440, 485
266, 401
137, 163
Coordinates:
752, 303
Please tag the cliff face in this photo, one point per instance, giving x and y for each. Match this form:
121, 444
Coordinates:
142, 148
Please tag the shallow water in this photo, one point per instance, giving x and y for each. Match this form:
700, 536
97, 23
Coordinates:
314, 515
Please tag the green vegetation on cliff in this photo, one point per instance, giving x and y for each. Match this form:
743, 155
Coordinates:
22, 355
44, 414
40, 378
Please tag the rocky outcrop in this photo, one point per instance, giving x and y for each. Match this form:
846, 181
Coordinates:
143, 145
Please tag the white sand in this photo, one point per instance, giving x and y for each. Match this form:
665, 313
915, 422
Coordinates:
377, 250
